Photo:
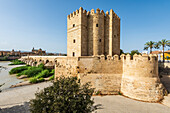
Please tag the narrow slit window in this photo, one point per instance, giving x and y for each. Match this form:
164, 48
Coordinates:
100, 40
74, 41
73, 53
73, 25
97, 25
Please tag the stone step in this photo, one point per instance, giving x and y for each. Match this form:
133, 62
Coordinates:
166, 100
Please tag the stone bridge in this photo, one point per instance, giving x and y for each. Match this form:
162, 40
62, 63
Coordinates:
48, 61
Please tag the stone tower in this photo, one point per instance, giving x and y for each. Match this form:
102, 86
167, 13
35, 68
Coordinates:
93, 33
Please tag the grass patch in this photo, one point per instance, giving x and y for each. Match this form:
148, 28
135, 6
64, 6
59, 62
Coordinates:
33, 71
18, 69
16, 62
43, 74
36, 74
52, 77
36, 80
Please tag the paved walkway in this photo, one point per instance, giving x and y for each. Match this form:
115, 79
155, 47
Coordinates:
166, 81
120, 104
13, 101
19, 95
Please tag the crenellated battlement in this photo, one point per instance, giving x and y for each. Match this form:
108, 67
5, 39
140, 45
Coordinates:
143, 57
127, 57
92, 12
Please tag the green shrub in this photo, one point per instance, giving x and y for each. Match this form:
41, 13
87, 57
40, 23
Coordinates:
52, 77
41, 80
41, 66
33, 71
119, 93
18, 69
43, 74
64, 96
36, 80
33, 80
16, 62
52, 72
98, 93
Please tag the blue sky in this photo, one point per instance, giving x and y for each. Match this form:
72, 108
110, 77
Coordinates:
42, 23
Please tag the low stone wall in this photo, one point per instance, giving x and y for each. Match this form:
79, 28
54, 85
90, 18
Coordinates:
164, 68
164, 65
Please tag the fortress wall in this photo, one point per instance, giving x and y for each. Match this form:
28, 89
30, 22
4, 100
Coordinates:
66, 66
98, 64
135, 77
140, 78
104, 83
104, 74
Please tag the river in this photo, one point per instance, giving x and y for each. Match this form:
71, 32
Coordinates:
5, 77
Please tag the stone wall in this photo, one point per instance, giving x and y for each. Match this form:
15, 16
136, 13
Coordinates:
103, 82
135, 77
164, 68
140, 78
66, 66
104, 74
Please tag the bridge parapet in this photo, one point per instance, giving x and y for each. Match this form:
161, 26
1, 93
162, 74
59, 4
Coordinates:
48, 61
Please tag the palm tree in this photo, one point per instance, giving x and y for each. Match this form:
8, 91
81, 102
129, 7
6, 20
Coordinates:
163, 43
149, 45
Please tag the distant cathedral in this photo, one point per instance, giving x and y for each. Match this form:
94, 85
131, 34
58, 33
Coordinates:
93, 33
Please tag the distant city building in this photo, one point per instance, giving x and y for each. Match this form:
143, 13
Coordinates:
10, 53
38, 52
34, 52
160, 55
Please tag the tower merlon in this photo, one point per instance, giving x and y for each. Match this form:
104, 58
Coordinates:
77, 11
98, 11
80, 9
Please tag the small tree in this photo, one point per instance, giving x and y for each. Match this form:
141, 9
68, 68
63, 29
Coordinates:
163, 43
66, 95
134, 52
149, 45
121, 51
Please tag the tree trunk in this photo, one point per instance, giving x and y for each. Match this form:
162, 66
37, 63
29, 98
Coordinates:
150, 50
163, 55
